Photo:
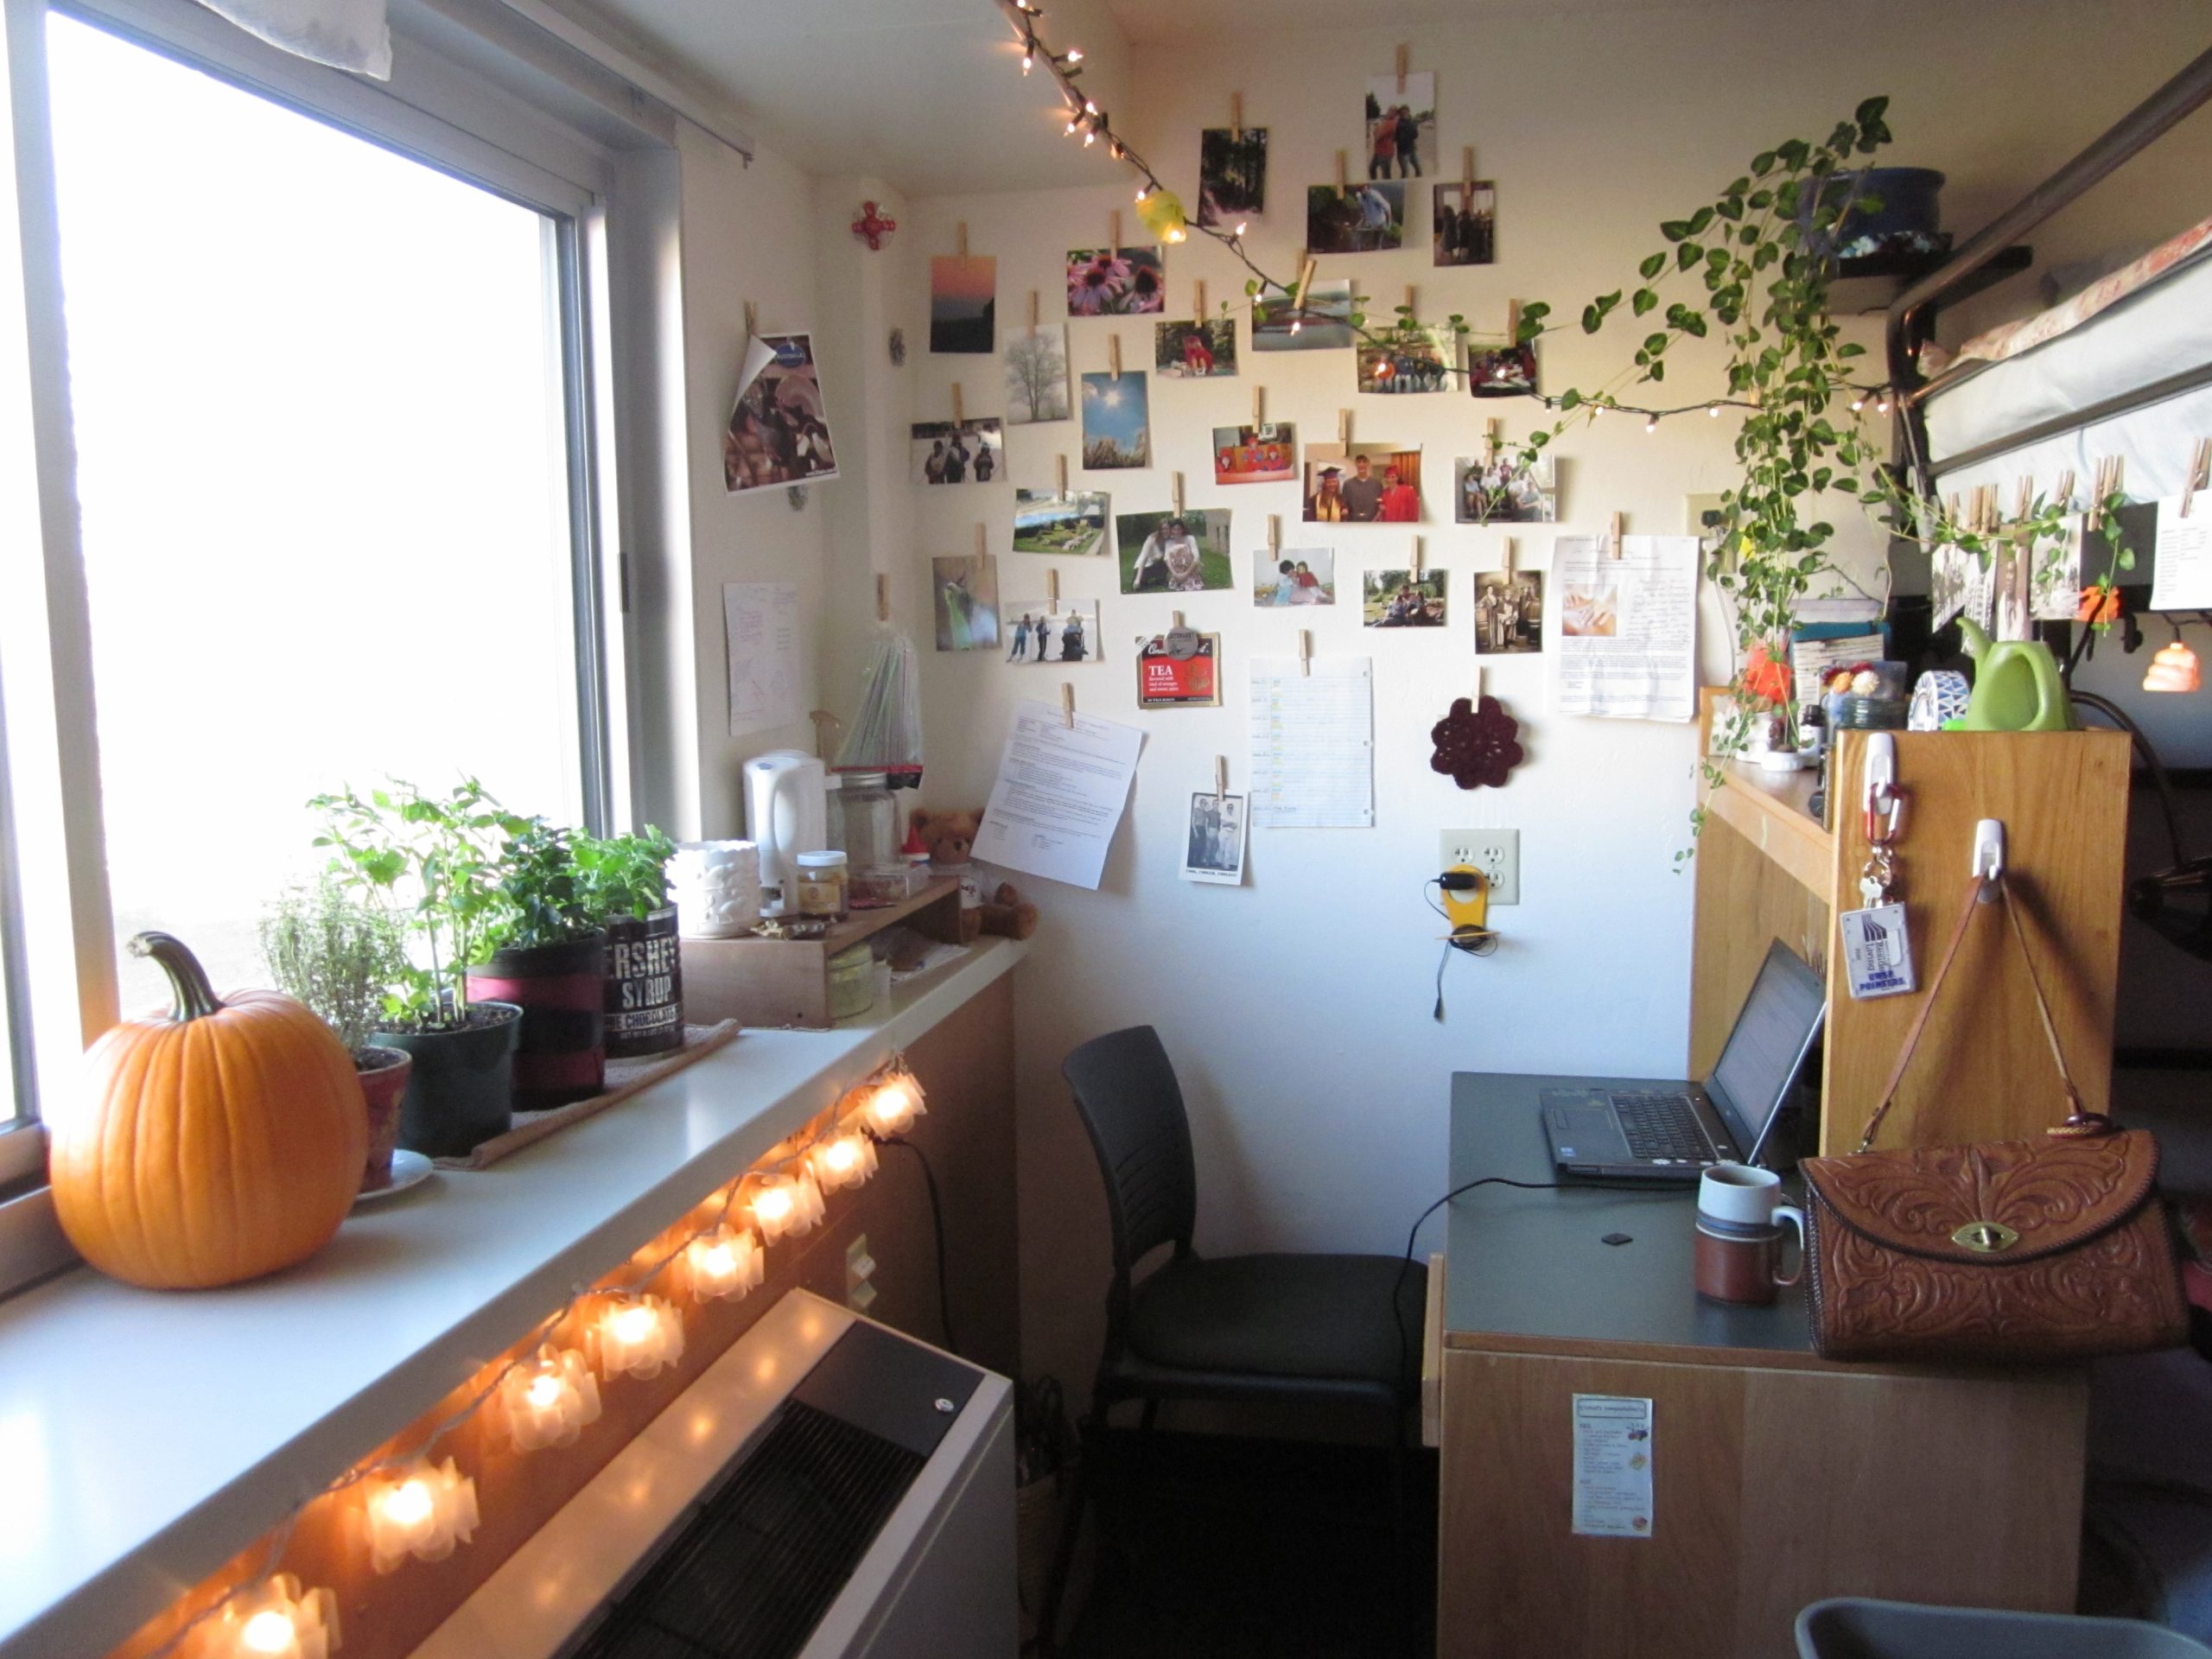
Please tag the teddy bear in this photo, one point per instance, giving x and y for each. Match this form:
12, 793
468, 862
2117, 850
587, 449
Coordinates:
950, 839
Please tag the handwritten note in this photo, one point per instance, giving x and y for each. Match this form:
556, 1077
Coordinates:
762, 619
1313, 744
1628, 626
1060, 793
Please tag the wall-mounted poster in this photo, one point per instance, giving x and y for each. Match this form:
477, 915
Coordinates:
1363, 484
1502, 370
1201, 350
1232, 174
1407, 359
1037, 376
1322, 324
1465, 226
1039, 631
1359, 219
1116, 283
1174, 552
778, 432
1508, 611
1497, 489
1255, 455
957, 452
965, 595
1180, 669
1401, 125
1294, 575
1070, 525
963, 297
1116, 421
1213, 850
1402, 598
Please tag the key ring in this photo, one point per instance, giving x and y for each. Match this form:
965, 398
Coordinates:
1884, 812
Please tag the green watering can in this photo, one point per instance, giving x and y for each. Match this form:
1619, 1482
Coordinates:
2017, 687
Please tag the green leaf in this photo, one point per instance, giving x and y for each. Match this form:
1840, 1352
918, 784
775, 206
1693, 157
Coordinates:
1652, 265
1675, 229
1645, 299
1687, 255
1870, 113
1699, 220
1570, 399
1592, 319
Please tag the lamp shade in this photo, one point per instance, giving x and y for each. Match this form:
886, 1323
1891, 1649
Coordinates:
1161, 213
2174, 669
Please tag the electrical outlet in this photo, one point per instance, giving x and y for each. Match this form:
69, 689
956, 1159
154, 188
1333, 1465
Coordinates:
1496, 852
860, 1275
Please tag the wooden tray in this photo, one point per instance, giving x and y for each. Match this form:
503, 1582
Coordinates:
785, 982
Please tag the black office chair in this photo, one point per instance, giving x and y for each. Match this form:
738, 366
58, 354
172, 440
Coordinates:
1317, 1328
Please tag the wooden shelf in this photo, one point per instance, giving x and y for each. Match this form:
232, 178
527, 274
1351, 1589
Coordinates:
1770, 809
778, 983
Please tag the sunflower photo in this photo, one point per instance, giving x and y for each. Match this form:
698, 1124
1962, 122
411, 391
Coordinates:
1116, 283
1116, 421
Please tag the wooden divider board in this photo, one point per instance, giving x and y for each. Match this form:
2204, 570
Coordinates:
1984, 1071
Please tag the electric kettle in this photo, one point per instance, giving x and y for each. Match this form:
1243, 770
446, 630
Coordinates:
784, 816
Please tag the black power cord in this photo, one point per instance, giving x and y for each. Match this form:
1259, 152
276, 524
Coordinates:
937, 1226
1405, 1266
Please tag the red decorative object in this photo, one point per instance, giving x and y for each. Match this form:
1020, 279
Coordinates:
1766, 674
1475, 744
871, 226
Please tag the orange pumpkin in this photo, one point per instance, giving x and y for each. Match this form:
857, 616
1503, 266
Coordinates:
218, 1144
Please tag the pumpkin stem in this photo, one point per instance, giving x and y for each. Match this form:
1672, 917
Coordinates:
196, 997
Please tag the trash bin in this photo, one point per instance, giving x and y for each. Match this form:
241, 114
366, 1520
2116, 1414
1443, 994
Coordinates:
1852, 1627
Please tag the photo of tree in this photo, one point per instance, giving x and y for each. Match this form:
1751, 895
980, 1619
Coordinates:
1037, 376
1232, 174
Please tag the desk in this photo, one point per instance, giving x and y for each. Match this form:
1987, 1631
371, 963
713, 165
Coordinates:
1778, 1478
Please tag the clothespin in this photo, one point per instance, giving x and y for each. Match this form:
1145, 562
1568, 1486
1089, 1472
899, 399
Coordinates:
959, 408
1305, 281
1508, 560
1236, 116
1067, 705
1033, 310
1343, 173
960, 238
1052, 591
2024, 497
1114, 230
1401, 69
1492, 429
1113, 353
1220, 777
1344, 428
1174, 619
1305, 651
1274, 532
1513, 322
1200, 309
1613, 535
882, 597
1175, 486
1467, 178
2064, 495
752, 320
982, 543
2200, 473
1478, 685
1416, 564
1062, 467
1410, 308
1259, 408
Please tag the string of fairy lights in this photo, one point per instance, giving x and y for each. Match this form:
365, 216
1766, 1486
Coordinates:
415, 1508
1162, 214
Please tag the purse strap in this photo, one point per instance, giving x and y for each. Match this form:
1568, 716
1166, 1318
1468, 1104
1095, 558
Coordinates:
2078, 1123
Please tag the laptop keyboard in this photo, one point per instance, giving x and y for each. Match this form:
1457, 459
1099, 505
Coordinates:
1662, 1127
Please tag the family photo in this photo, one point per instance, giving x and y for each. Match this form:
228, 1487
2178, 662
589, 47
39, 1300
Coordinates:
1037, 630
1116, 283
1508, 611
1073, 525
1116, 421
1410, 358
1195, 351
1401, 125
963, 297
1497, 489
965, 593
1294, 575
1322, 323
1255, 455
1502, 370
1399, 599
778, 432
957, 452
1367, 218
1365, 484
1036, 365
1214, 849
1232, 174
1465, 231
1174, 552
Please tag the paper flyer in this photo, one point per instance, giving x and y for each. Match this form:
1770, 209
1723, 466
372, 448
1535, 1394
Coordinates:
1627, 626
761, 621
1612, 1466
1313, 744
1060, 794
2181, 571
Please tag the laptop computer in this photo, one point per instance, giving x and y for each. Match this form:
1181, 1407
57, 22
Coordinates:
1671, 1132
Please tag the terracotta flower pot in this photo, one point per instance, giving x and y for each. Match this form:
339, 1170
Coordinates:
384, 1073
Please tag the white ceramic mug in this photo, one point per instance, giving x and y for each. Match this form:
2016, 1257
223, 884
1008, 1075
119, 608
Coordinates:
715, 885
1739, 1212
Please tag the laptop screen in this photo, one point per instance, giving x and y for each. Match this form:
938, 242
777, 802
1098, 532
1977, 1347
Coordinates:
1767, 1046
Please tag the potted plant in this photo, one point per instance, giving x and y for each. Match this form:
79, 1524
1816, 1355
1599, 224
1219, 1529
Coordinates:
339, 955
437, 860
547, 953
626, 881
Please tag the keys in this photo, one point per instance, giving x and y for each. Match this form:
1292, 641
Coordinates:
1877, 876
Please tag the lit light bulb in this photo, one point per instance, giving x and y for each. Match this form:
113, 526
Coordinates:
1240, 227
775, 1205
1297, 323
844, 1160
268, 1631
1071, 129
1028, 61
275, 1620
1075, 55
1713, 410
1089, 138
896, 1100
1162, 214
424, 1512
1090, 108
1883, 407
1858, 404
724, 1263
2174, 669
1651, 425
548, 1402
640, 1336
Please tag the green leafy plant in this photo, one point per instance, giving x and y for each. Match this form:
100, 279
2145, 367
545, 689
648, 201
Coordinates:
437, 860
624, 875
339, 954
546, 898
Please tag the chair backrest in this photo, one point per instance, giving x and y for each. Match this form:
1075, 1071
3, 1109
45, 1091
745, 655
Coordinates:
1125, 1091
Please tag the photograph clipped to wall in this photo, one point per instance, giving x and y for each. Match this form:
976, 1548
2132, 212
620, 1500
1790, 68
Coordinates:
1039, 632
1398, 599
1401, 126
1255, 455
965, 593
1073, 525
963, 299
1359, 219
1294, 575
1116, 283
1502, 370
959, 452
1232, 174
1465, 226
1279, 323
1497, 489
1201, 350
778, 430
1362, 483
1508, 611
1036, 366
1116, 421
1174, 552
1410, 358
1213, 848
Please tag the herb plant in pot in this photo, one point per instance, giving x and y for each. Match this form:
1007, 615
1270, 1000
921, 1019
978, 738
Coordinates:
549, 957
626, 880
339, 954
437, 860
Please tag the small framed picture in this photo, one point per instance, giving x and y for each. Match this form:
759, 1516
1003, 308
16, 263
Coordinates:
1214, 850
1181, 669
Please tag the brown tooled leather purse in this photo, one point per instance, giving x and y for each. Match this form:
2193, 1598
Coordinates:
2004, 1250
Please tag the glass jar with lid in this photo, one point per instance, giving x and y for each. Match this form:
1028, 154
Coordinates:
871, 840
822, 886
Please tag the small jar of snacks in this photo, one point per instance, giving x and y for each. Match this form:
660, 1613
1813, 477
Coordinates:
823, 889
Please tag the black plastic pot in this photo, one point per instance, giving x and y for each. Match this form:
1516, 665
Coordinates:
461, 1092
561, 991
644, 985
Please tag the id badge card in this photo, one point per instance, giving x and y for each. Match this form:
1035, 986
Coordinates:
1877, 951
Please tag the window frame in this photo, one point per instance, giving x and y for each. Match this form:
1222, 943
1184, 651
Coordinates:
437, 114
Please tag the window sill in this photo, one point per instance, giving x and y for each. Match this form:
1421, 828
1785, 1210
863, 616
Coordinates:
148, 1437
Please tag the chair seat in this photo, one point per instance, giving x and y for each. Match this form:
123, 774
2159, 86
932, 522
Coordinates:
1324, 1317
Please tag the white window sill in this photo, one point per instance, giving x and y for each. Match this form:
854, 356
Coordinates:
145, 1438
